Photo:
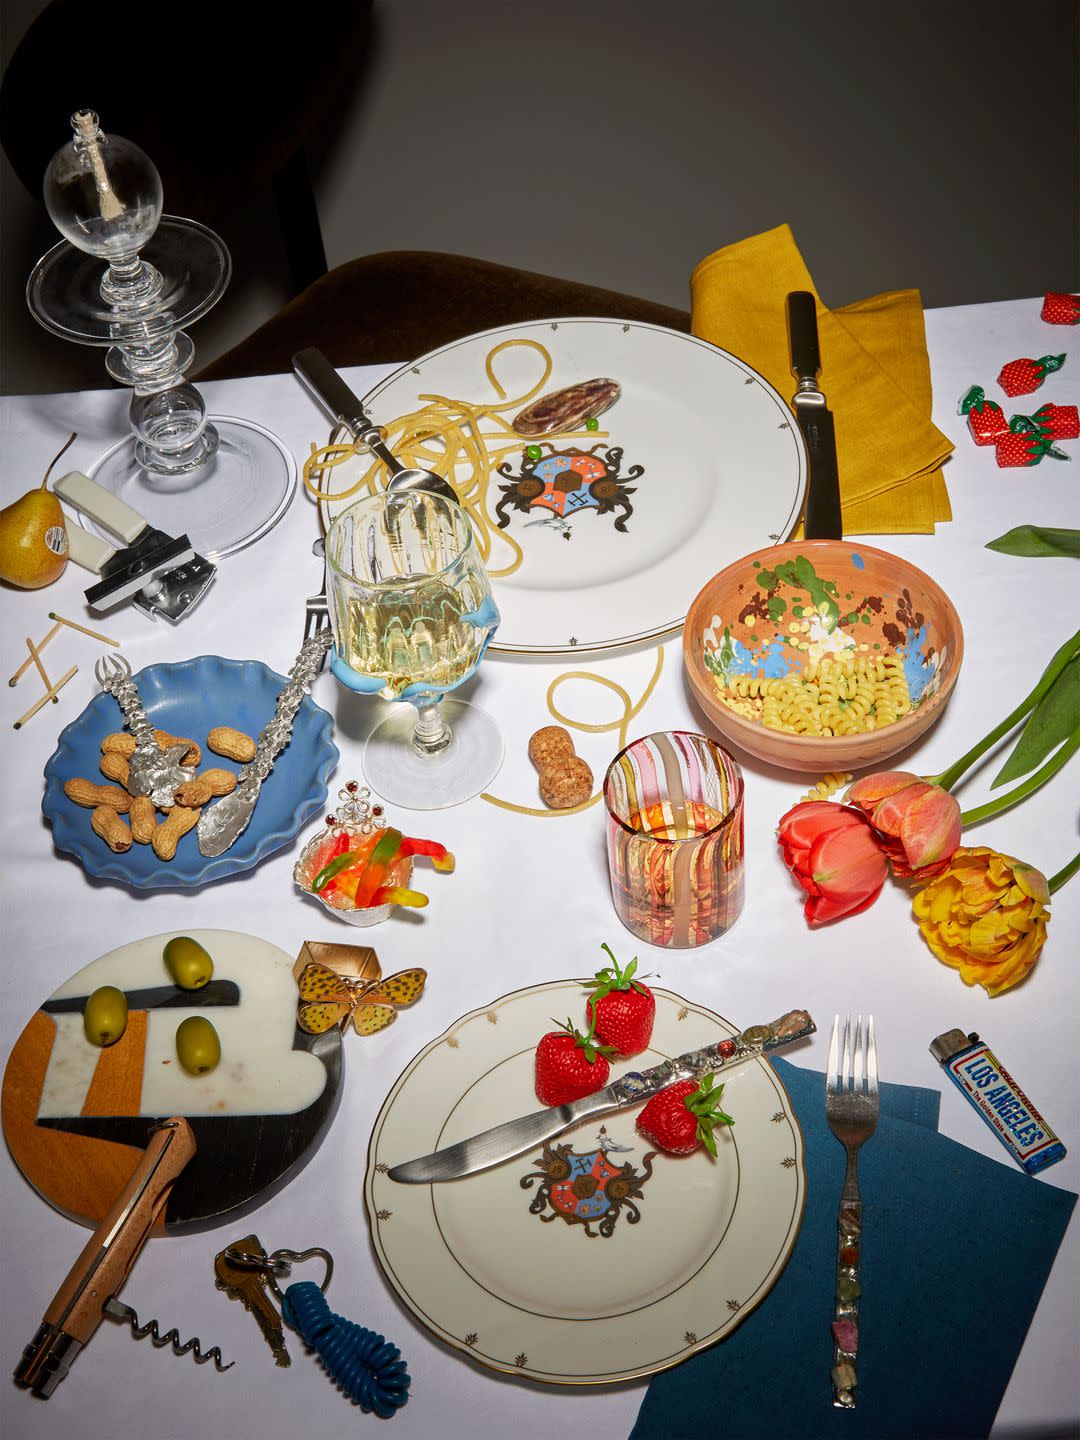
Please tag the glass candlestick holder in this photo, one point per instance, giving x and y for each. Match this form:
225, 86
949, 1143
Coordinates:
129, 279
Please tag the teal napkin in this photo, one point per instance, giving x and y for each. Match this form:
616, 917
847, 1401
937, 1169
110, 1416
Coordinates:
956, 1250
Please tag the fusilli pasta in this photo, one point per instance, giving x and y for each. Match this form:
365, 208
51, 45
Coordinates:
845, 694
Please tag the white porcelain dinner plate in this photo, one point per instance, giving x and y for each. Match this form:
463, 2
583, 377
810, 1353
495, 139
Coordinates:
699, 462
592, 1259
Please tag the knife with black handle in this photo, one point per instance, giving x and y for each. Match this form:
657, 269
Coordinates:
824, 516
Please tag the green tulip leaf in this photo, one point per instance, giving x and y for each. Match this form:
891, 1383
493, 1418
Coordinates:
1037, 541
1052, 721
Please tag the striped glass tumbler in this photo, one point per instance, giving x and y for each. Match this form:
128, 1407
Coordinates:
675, 838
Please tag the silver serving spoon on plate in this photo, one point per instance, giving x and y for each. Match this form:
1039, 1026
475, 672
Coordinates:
338, 400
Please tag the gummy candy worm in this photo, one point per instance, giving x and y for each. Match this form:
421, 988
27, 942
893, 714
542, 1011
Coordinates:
630, 710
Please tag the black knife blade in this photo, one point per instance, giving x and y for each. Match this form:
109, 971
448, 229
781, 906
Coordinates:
824, 515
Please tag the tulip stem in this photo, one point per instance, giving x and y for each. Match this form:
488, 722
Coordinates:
1027, 787
948, 778
1056, 881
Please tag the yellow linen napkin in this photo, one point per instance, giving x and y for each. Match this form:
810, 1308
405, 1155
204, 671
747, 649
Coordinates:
874, 370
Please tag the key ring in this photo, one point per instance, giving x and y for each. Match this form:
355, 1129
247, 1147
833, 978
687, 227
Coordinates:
364, 1365
280, 1262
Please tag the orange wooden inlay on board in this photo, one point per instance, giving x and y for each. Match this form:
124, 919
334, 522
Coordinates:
79, 1175
116, 1088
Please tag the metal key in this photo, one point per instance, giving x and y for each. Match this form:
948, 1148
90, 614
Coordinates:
248, 1284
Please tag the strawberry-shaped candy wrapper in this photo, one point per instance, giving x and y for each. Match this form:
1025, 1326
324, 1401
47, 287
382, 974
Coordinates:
1022, 447
1052, 422
681, 1118
1059, 309
985, 418
1021, 377
621, 1008
570, 1065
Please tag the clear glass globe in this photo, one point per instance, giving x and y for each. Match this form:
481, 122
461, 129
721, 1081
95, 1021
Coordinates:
171, 431
102, 192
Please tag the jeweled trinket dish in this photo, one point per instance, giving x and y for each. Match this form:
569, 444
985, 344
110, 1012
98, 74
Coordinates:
359, 866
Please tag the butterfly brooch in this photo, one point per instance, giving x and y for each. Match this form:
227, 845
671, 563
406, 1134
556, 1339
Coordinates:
328, 999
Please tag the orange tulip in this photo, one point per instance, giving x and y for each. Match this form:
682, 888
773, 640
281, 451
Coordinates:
918, 823
986, 916
834, 854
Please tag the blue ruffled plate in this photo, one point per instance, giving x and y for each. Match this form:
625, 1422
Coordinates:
190, 698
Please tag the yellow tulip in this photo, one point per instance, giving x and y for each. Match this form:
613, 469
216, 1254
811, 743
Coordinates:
986, 916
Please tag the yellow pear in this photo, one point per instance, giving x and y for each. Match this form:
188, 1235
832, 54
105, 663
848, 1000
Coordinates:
33, 537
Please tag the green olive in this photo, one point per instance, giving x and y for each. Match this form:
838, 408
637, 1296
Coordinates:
105, 1016
197, 1045
187, 962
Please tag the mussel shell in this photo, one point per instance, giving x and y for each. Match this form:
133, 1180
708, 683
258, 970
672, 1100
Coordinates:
568, 408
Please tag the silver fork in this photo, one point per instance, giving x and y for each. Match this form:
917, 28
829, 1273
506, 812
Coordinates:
151, 770
316, 611
851, 1108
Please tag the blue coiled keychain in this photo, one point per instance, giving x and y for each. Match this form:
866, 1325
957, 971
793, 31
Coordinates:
366, 1366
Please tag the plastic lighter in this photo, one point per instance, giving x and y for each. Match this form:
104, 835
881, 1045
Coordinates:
980, 1076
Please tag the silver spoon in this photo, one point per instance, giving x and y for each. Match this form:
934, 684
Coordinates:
334, 395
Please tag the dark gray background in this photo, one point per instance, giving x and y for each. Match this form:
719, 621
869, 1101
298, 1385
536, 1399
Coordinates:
931, 144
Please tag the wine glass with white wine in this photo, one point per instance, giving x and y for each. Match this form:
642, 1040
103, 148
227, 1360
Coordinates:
412, 614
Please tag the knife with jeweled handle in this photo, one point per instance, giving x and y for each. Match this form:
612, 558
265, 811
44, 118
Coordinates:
503, 1142
824, 517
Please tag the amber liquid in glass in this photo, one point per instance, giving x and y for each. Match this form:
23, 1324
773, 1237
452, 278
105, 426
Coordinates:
677, 879
415, 636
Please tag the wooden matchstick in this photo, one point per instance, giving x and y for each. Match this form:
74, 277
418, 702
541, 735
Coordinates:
40, 668
94, 634
45, 698
30, 659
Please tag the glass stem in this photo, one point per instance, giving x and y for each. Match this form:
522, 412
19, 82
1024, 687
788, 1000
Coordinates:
432, 734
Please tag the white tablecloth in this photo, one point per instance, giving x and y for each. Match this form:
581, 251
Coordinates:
489, 930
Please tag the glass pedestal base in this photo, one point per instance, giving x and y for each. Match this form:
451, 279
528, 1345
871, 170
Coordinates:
230, 500
64, 290
401, 777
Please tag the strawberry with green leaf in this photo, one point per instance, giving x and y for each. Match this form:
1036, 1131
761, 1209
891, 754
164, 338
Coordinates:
985, 418
621, 1008
1021, 377
1059, 309
681, 1118
570, 1065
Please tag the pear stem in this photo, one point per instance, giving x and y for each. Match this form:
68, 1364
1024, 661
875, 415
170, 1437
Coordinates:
67, 443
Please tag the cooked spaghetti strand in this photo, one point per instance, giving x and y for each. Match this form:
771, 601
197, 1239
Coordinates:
461, 440
630, 710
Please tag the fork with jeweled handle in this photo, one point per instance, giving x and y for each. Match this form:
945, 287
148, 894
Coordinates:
151, 770
851, 1108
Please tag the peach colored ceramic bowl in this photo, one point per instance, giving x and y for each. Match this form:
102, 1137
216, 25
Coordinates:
772, 612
